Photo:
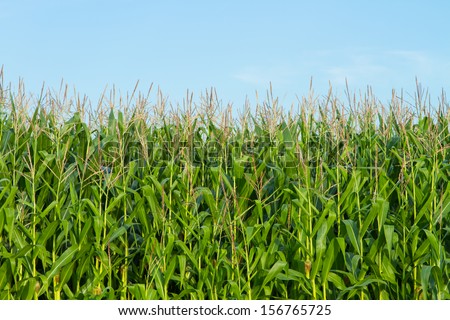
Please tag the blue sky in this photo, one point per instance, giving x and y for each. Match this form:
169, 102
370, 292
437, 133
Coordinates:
238, 47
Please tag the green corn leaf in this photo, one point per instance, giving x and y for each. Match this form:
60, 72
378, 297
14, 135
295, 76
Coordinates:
187, 252
329, 258
387, 270
379, 209
389, 236
9, 201
425, 280
66, 274
63, 260
422, 251
9, 213
321, 241
116, 234
115, 203
276, 269
168, 273
86, 229
27, 289
352, 233
50, 207
5, 275
361, 284
433, 243
49, 231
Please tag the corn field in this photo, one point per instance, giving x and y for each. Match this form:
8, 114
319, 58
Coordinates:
135, 199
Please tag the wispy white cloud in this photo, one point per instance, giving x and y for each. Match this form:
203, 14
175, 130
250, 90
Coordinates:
416, 60
262, 76
374, 67
356, 71
384, 70
381, 69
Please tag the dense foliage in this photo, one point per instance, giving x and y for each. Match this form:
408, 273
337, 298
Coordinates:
130, 201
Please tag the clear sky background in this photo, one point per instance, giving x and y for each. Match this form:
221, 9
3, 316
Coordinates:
238, 47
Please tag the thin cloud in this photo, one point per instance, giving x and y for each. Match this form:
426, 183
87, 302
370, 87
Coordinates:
357, 72
262, 76
377, 67
360, 68
417, 60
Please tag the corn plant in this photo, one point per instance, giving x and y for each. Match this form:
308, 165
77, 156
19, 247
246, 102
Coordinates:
131, 200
